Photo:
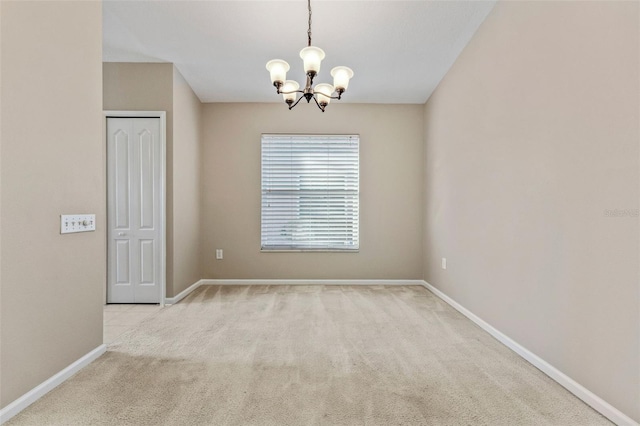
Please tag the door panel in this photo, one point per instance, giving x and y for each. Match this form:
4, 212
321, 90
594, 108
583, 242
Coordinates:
146, 180
123, 265
134, 173
122, 183
147, 262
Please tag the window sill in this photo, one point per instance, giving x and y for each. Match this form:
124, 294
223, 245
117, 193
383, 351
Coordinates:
308, 251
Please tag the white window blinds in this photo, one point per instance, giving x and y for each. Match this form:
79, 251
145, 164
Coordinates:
310, 192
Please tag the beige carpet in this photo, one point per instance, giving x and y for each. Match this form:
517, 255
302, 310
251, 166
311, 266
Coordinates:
300, 355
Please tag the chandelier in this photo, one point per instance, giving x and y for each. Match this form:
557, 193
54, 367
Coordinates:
321, 93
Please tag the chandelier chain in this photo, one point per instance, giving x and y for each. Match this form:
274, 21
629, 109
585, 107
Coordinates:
309, 30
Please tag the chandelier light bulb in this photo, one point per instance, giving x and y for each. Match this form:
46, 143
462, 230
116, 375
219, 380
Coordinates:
341, 77
289, 91
312, 56
323, 92
278, 71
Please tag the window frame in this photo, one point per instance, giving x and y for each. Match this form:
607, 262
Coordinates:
265, 248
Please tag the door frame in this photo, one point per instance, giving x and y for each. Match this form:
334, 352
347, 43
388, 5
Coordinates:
162, 115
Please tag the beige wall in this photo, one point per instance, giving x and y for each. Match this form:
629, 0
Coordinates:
390, 191
186, 183
52, 163
138, 86
530, 138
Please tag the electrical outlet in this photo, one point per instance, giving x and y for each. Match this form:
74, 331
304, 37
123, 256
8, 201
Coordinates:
444, 263
219, 254
70, 223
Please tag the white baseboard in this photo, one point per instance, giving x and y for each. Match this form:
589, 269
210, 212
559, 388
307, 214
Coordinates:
571, 385
184, 293
308, 282
39, 391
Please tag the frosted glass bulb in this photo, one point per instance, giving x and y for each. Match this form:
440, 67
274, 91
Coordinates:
323, 92
290, 86
278, 70
312, 56
341, 77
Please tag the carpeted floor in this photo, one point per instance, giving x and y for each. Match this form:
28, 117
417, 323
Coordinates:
300, 355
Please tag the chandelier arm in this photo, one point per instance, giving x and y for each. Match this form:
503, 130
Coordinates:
288, 93
299, 99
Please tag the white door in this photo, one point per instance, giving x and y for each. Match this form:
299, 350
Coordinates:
134, 176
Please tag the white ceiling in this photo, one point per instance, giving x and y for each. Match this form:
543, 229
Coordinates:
398, 50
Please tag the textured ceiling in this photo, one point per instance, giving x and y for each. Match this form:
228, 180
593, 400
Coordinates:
399, 50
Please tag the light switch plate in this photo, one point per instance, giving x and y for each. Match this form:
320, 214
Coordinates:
70, 223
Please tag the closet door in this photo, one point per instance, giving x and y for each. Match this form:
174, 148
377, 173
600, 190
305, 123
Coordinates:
134, 169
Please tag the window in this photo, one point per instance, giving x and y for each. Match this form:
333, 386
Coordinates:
310, 192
